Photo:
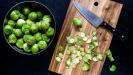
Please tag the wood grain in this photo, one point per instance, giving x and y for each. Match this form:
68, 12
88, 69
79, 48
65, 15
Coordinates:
107, 10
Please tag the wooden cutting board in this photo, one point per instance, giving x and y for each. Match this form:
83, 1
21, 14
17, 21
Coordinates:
106, 9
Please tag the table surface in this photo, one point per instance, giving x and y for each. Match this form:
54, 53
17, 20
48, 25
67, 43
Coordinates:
13, 63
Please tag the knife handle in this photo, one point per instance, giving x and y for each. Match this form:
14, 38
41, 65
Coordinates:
113, 30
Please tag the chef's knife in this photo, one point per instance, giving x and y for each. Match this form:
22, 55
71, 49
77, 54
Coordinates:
96, 21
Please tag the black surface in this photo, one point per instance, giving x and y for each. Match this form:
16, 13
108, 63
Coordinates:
13, 63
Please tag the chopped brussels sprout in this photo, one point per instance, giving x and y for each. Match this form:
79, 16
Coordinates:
26, 29
15, 14
12, 38
26, 10
45, 38
77, 22
42, 44
68, 62
8, 29
109, 55
38, 36
17, 32
47, 18
39, 14
11, 23
113, 68
50, 32
32, 16
34, 28
34, 48
20, 43
60, 48
20, 23
58, 59
29, 39
26, 47
86, 67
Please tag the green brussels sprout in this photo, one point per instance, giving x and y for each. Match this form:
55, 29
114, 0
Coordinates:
11, 23
32, 16
26, 47
22, 16
38, 24
47, 18
50, 32
26, 29
86, 67
29, 39
37, 36
44, 25
42, 44
45, 38
29, 22
34, 48
12, 38
20, 43
26, 10
17, 32
39, 14
20, 23
8, 29
77, 22
34, 28
113, 68
15, 14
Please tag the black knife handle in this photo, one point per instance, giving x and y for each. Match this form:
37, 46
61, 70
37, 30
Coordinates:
114, 31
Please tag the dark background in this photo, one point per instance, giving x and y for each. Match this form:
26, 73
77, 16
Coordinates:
13, 63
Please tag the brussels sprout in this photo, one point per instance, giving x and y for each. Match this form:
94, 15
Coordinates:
11, 23
22, 16
77, 22
26, 29
29, 22
44, 25
34, 28
86, 67
32, 16
20, 43
29, 39
8, 29
15, 14
45, 38
26, 10
50, 32
17, 32
112, 68
39, 14
38, 24
38, 36
47, 18
26, 47
42, 44
20, 23
34, 48
12, 38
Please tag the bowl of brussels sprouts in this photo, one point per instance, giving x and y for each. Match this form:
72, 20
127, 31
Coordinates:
29, 27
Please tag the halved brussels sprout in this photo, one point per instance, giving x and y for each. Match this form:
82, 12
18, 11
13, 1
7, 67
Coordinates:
20, 23
12, 38
32, 16
34, 48
26, 47
20, 43
26, 10
42, 44
47, 18
26, 29
50, 32
17, 32
38, 36
8, 29
15, 14
11, 23
45, 38
29, 39
34, 28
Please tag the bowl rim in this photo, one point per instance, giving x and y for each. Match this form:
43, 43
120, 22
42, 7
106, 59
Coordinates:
53, 17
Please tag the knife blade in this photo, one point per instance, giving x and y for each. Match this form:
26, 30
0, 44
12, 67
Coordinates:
96, 21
